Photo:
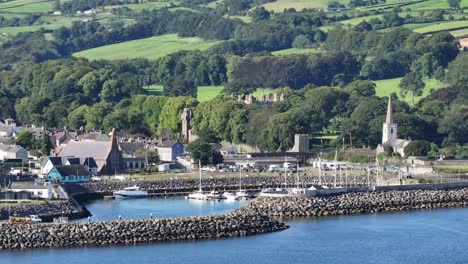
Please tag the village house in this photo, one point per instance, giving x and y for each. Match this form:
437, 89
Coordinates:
170, 150
69, 174
16, 152
49, 162
106, 154
35, 190
9, 128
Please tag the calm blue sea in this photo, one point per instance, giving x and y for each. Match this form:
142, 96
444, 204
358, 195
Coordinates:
437, 236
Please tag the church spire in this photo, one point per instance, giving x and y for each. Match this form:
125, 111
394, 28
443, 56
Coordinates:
389, 119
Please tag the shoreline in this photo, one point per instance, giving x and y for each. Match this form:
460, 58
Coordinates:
261, 215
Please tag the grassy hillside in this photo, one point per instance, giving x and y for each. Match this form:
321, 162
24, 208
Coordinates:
27, 6
280, 5
295, 51
434, 4
151, 48
443, 26
386, 87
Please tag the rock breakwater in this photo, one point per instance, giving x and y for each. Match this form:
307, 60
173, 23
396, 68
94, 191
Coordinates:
15, 236
46, 211
356, 203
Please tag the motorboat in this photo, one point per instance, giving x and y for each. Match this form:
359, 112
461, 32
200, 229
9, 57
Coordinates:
230, 196
243, 194
214, 195
131, 192
274, 191
197, 195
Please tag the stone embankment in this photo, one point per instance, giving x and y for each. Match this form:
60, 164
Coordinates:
356, 203
184, 185
46, 211
15, 236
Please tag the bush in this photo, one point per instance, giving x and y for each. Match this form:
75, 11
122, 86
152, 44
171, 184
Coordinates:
418, 148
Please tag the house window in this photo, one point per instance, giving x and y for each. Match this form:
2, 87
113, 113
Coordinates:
39, 193
391, 131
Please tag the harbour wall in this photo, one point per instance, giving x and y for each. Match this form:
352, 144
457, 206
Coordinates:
442, 186
18, 236
357, 202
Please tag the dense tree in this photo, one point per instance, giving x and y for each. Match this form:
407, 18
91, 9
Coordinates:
26, 140
412, 83
259, 14
455, 125
418, 148
454, 3
200, 151
179, 87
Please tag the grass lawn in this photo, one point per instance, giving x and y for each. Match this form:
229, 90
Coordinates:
27, 6
295, 51
443, 26
280, 5
245, 19
206, 93
434, 4
150, 48
459, 33
386, 87
141, 6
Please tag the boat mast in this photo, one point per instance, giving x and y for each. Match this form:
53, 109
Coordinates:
199, 172
240, 178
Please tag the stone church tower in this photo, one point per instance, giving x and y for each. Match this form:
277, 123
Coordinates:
389, 130
186, 118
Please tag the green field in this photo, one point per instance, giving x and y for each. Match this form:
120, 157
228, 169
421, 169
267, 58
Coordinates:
386, 87
443, 26
150, 48
295, 51
280, 5
206, 93
141, 6
460, 32
27, 6
434, 4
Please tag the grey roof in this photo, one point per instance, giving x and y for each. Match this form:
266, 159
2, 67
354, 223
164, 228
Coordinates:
130, 147
167, 144
89, 162
11, 148
54, 160
399, 143
99, 150
28, 185
72, 170
97, 136
72, 160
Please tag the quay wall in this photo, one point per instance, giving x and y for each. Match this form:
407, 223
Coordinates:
442, 186
18, 236
356, 202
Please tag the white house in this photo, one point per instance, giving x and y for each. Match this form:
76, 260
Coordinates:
12, 152
37, 190
170, 150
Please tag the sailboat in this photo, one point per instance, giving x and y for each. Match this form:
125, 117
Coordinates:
297, 190
198, 194
241, 193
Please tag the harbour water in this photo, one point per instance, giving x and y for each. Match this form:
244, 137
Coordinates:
436, 236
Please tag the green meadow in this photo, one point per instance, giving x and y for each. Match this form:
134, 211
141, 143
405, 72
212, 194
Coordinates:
27, 6
443, 26
280, 5
150, 48
295, 51
386, 87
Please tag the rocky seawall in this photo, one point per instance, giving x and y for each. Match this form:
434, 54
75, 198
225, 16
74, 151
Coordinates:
16, 236
356, 203
46, 211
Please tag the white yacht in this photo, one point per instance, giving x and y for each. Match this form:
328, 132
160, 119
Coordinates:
131, 192
214, 195
198, 195
242, 194
230, 196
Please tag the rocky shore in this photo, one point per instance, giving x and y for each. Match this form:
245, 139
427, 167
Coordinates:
16, 236
356, 203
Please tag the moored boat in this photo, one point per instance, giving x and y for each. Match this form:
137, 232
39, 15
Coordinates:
131, 192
